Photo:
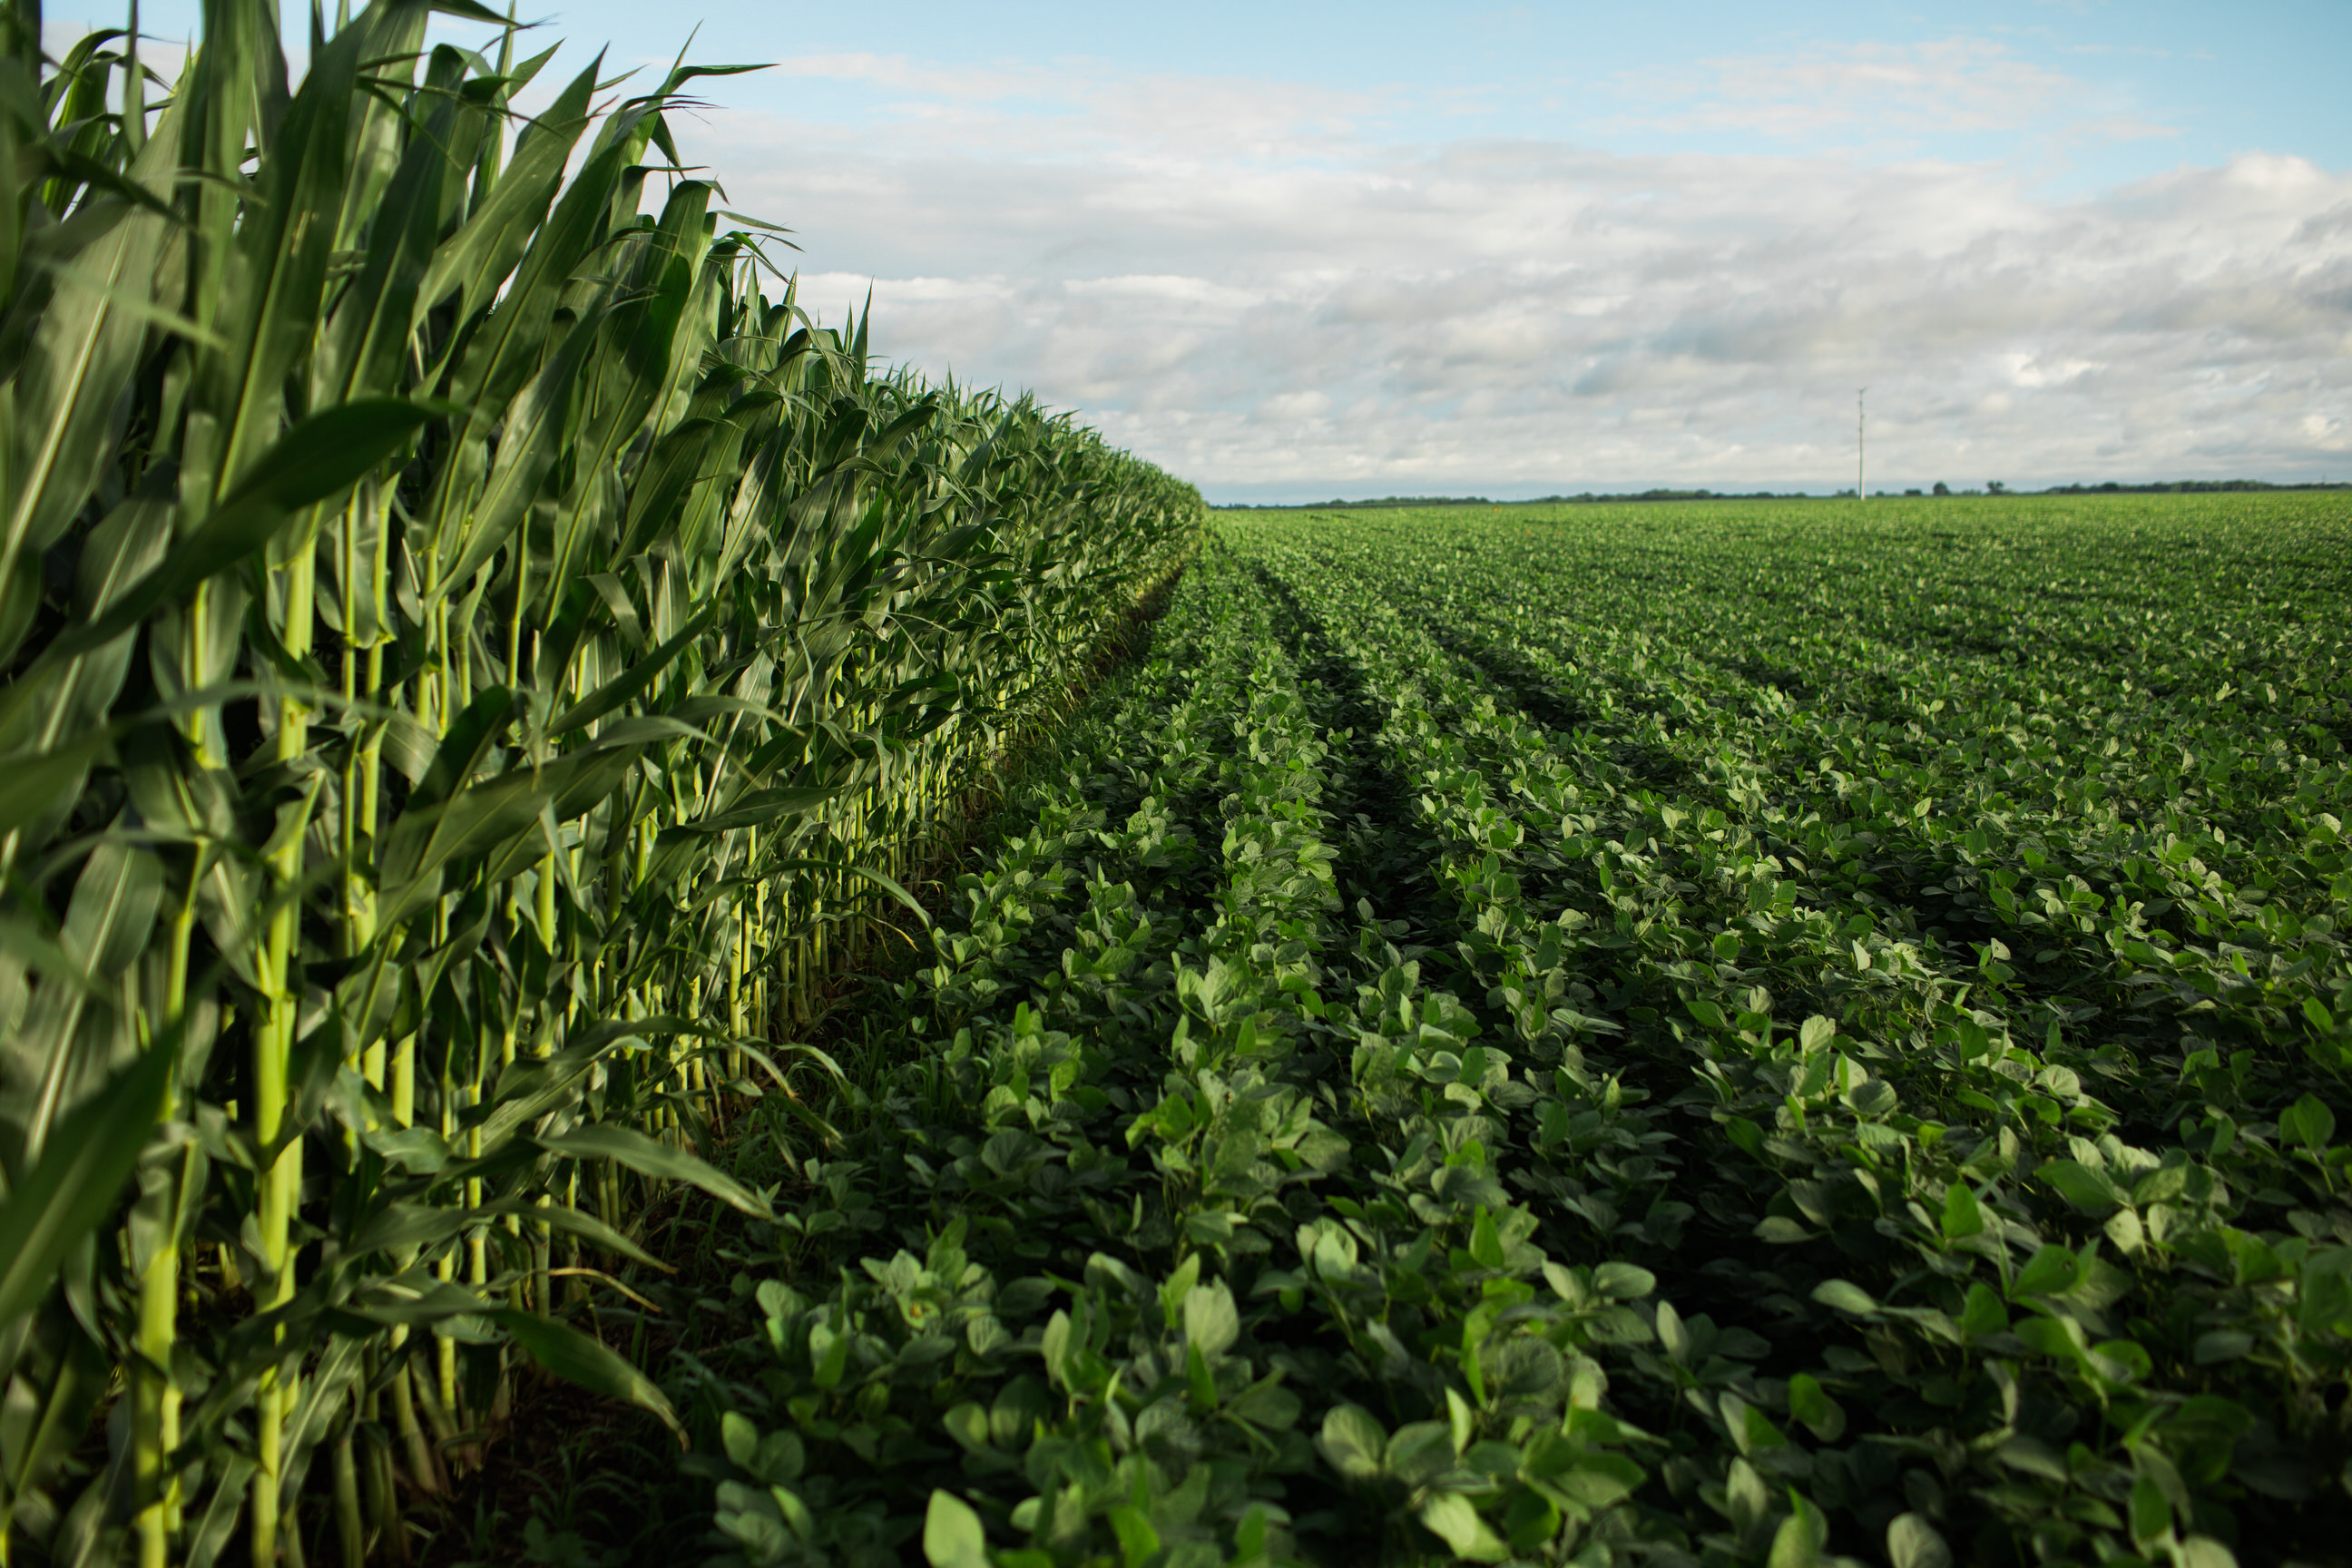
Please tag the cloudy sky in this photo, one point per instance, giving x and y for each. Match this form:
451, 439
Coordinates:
1292, 251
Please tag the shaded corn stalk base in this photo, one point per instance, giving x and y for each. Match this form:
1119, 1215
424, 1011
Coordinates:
476, 668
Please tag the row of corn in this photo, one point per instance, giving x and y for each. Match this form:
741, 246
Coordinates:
478, 671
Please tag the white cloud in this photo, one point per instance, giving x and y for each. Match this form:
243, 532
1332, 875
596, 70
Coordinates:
1258, 285
1877, 96
1298, 307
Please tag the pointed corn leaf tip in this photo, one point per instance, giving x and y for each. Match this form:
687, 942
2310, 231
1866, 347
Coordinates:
648, 1157
576, 1358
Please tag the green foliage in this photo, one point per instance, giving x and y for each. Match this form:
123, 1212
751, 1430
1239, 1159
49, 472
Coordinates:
1179, 1228
1777, 1035
477, 672
2044, 1178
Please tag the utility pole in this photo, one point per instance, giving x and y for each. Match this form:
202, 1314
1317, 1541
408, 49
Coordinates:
1859, 493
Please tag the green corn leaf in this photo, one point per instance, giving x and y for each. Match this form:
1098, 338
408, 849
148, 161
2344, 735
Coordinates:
277, 277
30, 786
530, 440
318, 458
75, 1184
759, 807
81, 355
642, 1154
25, 944
474, 260
504, 351
635, 681
574, 1222
867, 872
397, 200
574, 1356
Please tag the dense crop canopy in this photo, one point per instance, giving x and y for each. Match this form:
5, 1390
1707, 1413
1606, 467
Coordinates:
478, 668
1713, 1034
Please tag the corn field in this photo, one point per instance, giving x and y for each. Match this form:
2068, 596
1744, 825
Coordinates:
479, 668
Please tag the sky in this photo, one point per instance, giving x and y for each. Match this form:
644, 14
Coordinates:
1295, 252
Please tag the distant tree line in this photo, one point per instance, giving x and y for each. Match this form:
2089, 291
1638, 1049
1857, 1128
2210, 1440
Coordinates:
1992, 487
2185, 487
1587, 496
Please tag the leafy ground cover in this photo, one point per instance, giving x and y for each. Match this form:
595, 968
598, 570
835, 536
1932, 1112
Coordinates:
1767, 1034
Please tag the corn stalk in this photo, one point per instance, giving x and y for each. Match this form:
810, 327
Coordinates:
478, 666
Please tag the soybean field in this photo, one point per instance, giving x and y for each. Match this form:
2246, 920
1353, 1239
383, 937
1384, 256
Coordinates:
1722, 1034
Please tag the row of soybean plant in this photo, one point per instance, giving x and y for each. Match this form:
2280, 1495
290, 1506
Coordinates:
474, 662
1941, 1147
2134, 858
2141, 868
1600, 1163
1187, 1235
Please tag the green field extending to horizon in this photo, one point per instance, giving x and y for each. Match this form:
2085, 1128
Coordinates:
1727, 1033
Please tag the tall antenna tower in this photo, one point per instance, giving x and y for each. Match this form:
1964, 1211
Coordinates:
1859, 422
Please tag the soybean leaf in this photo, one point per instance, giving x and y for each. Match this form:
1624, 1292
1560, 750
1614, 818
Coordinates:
1352, 1442
952, 1536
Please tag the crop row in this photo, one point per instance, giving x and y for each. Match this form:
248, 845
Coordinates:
478, 668
1190, 1235
2086, 1276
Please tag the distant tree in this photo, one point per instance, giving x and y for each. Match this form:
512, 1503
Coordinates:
1995, 488
1942, 488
